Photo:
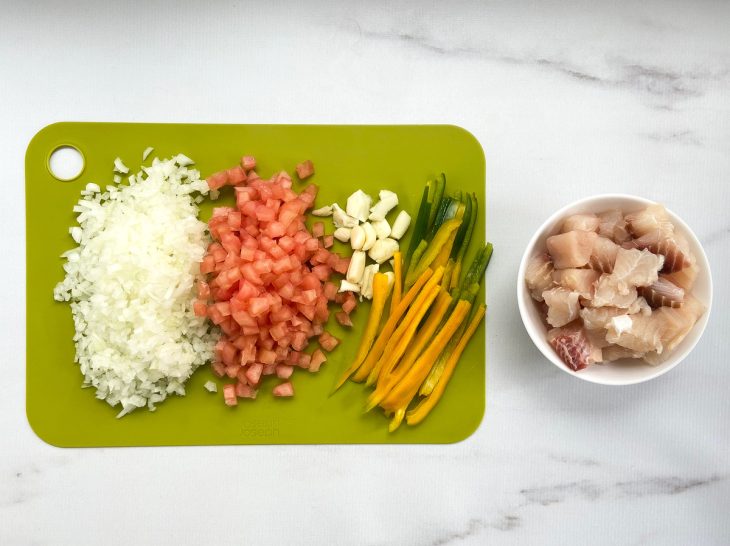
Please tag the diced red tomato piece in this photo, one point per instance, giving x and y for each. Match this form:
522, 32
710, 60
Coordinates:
306, 310
247, 254
321, 312
249, 273
224, 308
318, 229
266, 356
328, 341
299, 341
343, 318
229, 395
305, 169
341, 265
330, 291
245, 391
215, 315
311, 244
349, 304
248, 162
200, 308
217, 180
236, 175
304, 360
283, 371
277, 252
287, 244
219, 369
284, 389
278, 330
322, 272
328, 241
275, 229
262, 266
207, 265
310, 282
258, 306
234, 220
318, 358
265, 214
309, 194
253, 373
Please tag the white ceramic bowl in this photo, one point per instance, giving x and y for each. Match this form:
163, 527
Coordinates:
621, 372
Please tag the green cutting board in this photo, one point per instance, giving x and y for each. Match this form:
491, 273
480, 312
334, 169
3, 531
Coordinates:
399, 158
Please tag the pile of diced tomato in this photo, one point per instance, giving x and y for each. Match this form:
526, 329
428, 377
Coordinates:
268, 284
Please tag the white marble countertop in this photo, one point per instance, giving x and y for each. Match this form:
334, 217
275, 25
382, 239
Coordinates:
567, 100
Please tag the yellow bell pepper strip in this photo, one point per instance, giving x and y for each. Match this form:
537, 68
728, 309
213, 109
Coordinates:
419, 413
433, 250
377, 349
389, 378
406, 389
381, 291
398, 286
448, 273
443, 257
403, 334
422, 337
397, 419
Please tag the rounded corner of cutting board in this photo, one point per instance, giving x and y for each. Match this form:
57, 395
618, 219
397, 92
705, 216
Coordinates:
470, 138
38, 426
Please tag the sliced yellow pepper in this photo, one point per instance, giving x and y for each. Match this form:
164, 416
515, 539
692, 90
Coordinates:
405, 390
377, 349
381, 291
419, 413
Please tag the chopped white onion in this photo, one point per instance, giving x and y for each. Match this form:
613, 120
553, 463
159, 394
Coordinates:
130, 284
120, 167
210, 386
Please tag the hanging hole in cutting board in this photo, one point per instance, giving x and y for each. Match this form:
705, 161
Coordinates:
66, 163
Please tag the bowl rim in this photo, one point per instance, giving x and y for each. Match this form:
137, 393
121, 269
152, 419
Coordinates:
533, 332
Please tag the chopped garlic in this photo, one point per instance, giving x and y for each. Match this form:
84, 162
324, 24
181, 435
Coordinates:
358, 205
342, 234
400, 226
391, 279
370, 236
388, 201
346, 286
341, 218
383, 250
323, 211
366, 288
356, 267
147, 152
357, 237
382, 228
